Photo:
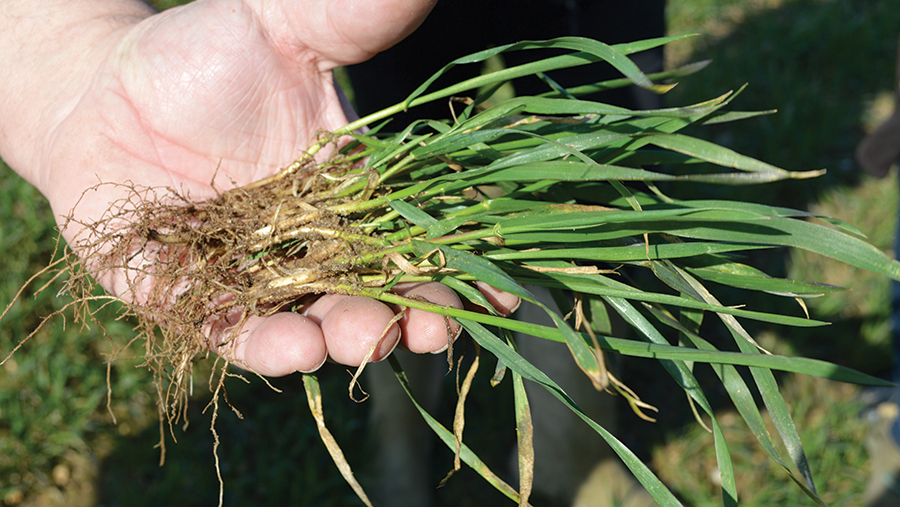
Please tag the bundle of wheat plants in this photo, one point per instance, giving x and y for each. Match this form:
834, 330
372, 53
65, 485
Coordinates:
550, 191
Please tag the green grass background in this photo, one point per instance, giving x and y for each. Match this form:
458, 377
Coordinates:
826, 65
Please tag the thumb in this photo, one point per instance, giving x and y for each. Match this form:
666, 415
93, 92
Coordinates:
344, 32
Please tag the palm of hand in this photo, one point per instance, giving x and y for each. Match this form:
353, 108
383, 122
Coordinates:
194, 92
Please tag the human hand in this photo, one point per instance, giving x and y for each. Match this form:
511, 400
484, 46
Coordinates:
223, 89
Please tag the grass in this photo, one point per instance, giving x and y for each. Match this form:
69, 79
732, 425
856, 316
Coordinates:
52, 397
688, 461
827, 66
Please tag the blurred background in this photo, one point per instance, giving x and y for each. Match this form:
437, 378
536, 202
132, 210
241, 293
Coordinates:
827, 66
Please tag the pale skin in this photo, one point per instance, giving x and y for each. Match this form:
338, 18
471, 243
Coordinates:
111, 91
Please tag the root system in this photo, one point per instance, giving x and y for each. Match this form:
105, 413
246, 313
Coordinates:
192, 272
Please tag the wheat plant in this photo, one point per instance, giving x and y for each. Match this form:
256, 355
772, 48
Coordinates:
549, 190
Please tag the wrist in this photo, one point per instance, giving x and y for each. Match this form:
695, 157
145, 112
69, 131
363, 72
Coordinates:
52, 49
